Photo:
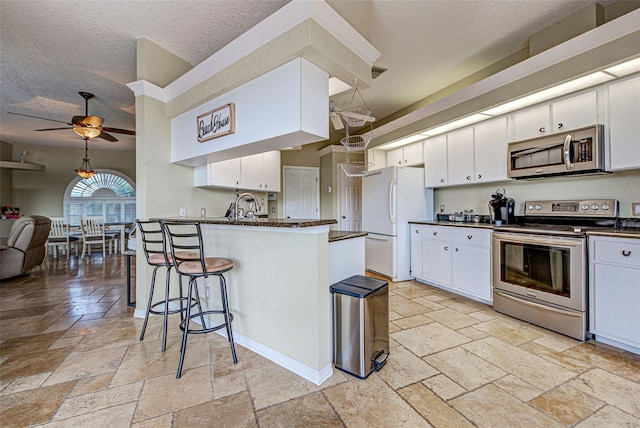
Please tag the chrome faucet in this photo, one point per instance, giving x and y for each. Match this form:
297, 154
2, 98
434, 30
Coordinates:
240, 196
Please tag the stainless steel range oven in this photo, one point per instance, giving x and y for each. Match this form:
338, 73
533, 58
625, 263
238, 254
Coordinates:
540, 267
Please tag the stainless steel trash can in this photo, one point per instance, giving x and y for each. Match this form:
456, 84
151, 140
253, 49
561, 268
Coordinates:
360, 325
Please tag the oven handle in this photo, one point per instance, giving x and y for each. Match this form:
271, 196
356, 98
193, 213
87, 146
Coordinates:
537, 305
528, 239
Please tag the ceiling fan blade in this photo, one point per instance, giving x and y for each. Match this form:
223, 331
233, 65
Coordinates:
50, 129
336, 121
107, 137
119, 131
38, 117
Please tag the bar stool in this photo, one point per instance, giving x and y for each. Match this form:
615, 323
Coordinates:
155, 251
186, 237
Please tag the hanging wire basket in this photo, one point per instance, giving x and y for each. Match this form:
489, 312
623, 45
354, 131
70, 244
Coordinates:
357, 142
354, 169
356, 116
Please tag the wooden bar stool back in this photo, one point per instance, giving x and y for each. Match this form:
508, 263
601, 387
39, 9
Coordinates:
184, 238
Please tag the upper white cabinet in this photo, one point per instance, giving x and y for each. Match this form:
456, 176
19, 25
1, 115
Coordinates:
460, 163
576, 111
475, 154
376, 159
490, 149
255, 172
435, 161
409, 155
623, 124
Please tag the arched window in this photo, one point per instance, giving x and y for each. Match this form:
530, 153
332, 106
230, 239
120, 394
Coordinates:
108, 193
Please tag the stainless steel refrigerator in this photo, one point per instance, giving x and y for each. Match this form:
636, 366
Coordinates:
391, 197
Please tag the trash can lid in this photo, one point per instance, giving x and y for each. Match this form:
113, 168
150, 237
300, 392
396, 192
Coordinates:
358, 286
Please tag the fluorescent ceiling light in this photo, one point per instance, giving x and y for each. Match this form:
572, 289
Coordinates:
554, 92
336, 86
402, 142
469, 120
624, 68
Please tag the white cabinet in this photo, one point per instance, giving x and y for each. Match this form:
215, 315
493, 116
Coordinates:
457, 259
573, 112
376, 159
409, 155
614, 291
623, 124
435, 161
490, 149
475, 154
460, 165
255, 172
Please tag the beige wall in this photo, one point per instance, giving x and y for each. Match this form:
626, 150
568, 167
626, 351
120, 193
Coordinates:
623, 186
42, 192
6, 175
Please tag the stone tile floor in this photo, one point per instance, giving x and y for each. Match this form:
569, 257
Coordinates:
70, 356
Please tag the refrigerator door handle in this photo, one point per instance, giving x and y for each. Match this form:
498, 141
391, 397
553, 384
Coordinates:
392, 184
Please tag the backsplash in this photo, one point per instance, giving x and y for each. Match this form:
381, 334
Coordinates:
623, 186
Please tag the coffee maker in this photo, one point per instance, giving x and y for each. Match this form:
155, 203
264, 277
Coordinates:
501, 208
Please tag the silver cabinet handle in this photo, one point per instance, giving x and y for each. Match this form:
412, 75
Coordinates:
442, 180
446, 248
469, 236
479, 176
626, 253
541, 130
560, 125
435, 233
468, 177
456, 249
417, 230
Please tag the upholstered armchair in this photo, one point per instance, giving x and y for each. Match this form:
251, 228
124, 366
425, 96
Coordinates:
26, 246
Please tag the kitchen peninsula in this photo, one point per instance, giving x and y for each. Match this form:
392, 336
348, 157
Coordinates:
279, 286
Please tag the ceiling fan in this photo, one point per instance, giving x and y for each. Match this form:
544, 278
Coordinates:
85, 126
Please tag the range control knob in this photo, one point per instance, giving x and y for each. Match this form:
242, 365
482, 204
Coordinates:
529, 207
605, 207
538, 207
595, 207
585, 207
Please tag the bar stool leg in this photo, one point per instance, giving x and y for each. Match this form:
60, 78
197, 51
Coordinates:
185, 333
199, 306
165, 322
146, 315
227, 316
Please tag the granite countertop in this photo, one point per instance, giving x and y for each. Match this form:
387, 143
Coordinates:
261, 222
621, 232
339, 235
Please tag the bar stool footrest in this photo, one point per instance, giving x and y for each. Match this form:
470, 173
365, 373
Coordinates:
203, 329
154, 311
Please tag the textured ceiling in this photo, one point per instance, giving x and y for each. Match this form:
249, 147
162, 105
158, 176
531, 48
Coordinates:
50, 50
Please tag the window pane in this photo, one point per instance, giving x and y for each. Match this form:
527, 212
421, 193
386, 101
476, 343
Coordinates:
113, 212
94, 208
130, 212
74, 211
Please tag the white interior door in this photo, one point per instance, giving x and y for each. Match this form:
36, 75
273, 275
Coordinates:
301, 192
350, 205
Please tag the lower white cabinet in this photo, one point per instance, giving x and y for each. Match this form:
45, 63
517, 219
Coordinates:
614, 291
457, 259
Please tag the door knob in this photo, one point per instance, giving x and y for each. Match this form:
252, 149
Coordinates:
344, 216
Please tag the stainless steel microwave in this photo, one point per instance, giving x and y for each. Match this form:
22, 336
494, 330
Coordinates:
575, 152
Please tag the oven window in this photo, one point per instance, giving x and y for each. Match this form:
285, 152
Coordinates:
541, 267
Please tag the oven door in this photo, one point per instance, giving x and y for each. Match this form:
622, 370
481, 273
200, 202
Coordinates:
544, 268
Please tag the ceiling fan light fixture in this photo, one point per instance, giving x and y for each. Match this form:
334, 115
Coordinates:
87, 132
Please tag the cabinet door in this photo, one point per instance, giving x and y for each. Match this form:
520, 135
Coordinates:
224, 173
617, 303
624, 124
435, 161
531, 122
460, 156
490, 149
436, 261
472, 270
416, 251
395, 157
251, 172
271, 171
575, 112
413, 154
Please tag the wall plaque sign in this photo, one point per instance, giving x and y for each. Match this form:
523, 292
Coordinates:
217, 123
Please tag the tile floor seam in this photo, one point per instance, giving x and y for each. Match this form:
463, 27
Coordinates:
335, 411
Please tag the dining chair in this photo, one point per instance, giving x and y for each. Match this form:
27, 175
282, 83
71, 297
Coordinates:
59, 237
93, 232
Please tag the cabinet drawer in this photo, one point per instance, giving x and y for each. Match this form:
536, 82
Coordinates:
440, 233
620, 251
472, 236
